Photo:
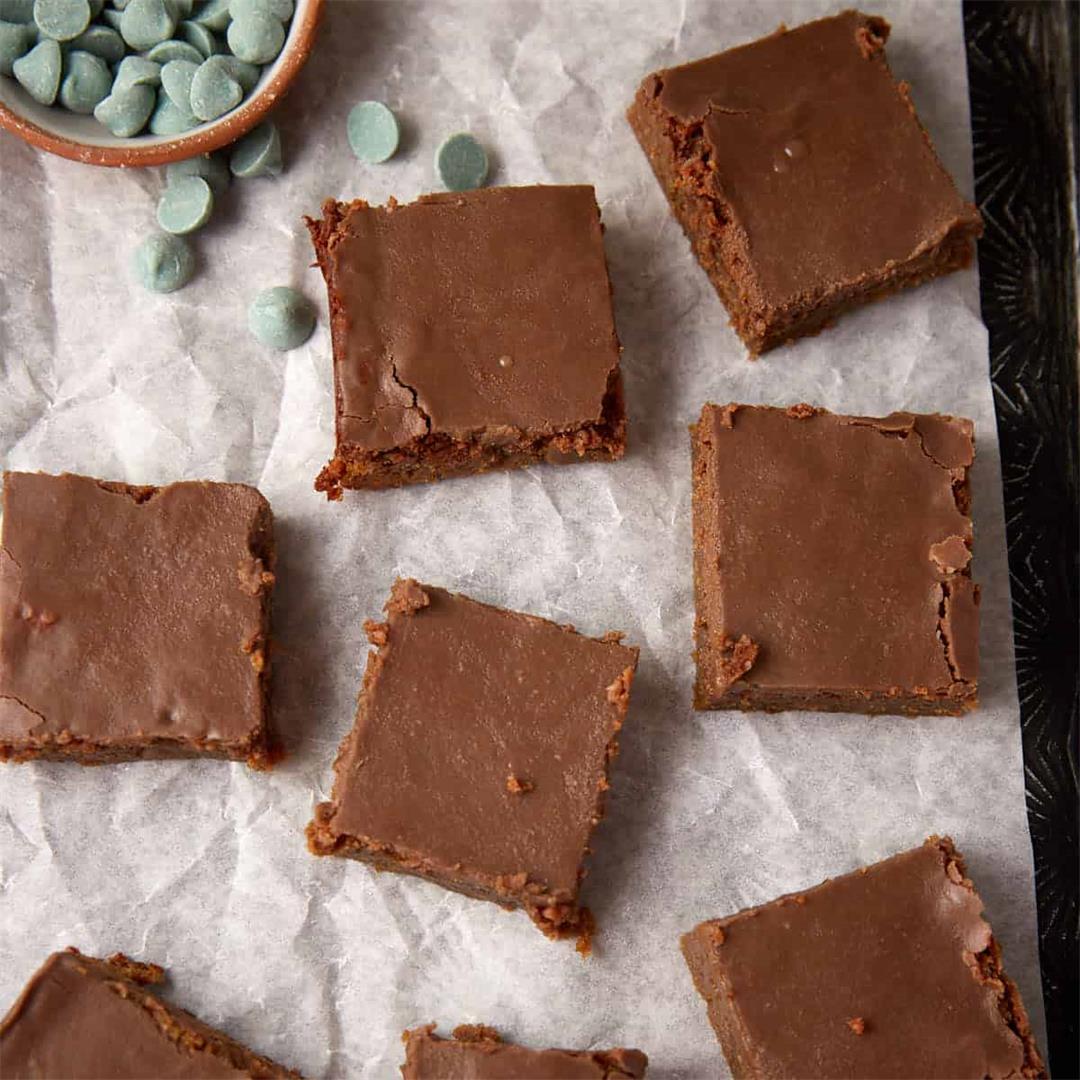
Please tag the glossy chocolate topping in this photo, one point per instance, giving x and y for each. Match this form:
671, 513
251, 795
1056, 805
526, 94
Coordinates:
88, 1019
477, 1053
833, 544
131, 614
887, 972
480, 746
818, 154
470, 312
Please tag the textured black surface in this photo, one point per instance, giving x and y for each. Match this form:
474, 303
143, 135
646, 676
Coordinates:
1023, 70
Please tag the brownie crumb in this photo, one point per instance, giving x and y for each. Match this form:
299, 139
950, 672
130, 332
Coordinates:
872, 37
802, 411
378, 633
737, 659
143, 974
253, 576
406, 598
725, 415
618, 693
476, 1033
516, 786
857, 1025
254, 649
950, 555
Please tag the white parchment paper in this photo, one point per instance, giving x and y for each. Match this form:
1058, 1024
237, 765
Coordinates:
202, 866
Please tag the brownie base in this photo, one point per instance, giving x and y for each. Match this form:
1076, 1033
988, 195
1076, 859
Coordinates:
256, 752
439, 457
865, 702
697, 948
479, 1049
679, 155
558, 917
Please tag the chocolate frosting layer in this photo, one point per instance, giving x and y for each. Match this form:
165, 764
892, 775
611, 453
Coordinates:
80, 1018
481, 742
477, 1053
834, 547
887, 972
485, 311
132, 613
817, 154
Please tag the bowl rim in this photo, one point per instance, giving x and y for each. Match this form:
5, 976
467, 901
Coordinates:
201, 140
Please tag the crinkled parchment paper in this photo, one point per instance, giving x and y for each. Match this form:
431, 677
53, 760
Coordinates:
202, 866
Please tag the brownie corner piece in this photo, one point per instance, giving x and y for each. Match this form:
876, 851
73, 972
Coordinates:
134, 620
81, 1016
479, 756
471, 331
888, 971
802, 176
476, 1050
832, 561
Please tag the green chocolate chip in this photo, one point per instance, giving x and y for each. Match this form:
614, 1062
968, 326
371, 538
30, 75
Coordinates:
119, 5
180, 9
169, 119
211, 168
125, 111
213, 90
214, 15
199, 37
163, 263
96, 8
113, 18
146, 23
176, 77
136, 71
185, 205
258, 153
61, 20
461, 162
247, 75
256, 38
373, 132
38, 72
282, 10
101, 41
87, 82
172, 49
17, 11
281, 318
15, 41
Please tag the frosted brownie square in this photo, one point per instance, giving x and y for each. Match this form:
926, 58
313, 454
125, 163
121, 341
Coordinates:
83, 1017
134, 621
889, 971
479, 757
832, 561
471, 331
802, 177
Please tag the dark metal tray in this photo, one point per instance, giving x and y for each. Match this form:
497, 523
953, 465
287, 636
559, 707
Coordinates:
1023, 70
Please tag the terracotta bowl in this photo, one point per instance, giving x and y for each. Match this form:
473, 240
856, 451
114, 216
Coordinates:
82, 138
